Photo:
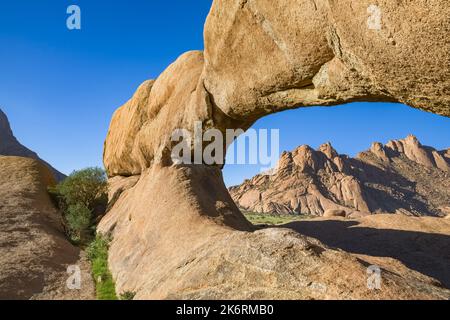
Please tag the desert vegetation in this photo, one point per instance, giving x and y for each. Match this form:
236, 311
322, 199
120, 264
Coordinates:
82, 198
273, 219
98, 255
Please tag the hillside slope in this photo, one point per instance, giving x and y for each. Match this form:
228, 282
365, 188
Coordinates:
34, 253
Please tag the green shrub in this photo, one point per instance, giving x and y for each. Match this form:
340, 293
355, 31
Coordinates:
128, 295
98, 249
273, 219
78, 218
97, 252
82, 197
86, 186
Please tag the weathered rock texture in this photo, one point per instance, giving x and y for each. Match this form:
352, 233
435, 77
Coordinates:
34, 253
177, 232
401, 177
419, 243
191, 252
10, 146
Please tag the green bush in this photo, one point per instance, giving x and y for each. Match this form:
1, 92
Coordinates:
87, 186
97, 253
78, 218
128, 295
82, 197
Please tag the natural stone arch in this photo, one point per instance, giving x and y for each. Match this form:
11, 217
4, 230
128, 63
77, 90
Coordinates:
176, 230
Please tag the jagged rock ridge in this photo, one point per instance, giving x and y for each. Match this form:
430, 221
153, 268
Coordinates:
10, 146
400, 177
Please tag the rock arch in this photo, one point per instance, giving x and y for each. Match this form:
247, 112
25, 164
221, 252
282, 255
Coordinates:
176, 231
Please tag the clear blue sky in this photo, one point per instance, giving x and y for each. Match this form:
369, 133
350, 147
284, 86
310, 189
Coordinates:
60, 87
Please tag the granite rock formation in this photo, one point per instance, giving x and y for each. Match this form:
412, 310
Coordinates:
176, 231
400, 177
34, 252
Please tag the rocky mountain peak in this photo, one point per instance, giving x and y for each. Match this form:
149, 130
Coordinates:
5, 128
306, 158
412, 139
328, 150
446, 153
378, 149
412, 148
379, 180
10, 146
286, 161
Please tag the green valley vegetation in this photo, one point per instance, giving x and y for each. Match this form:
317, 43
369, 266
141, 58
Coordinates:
98, 255
97, 252
273, 219
82, 198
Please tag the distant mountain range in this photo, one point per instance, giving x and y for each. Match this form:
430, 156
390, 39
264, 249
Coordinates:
10, 146
402, 176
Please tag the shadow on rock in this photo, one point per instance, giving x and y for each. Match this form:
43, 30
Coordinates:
427, 253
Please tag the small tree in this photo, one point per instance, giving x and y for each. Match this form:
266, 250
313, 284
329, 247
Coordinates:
82, 197
86, 186
78, 218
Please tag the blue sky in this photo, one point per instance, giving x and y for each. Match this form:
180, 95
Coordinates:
60, 87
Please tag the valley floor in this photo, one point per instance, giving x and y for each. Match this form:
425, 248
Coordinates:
274, 219
395, 242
